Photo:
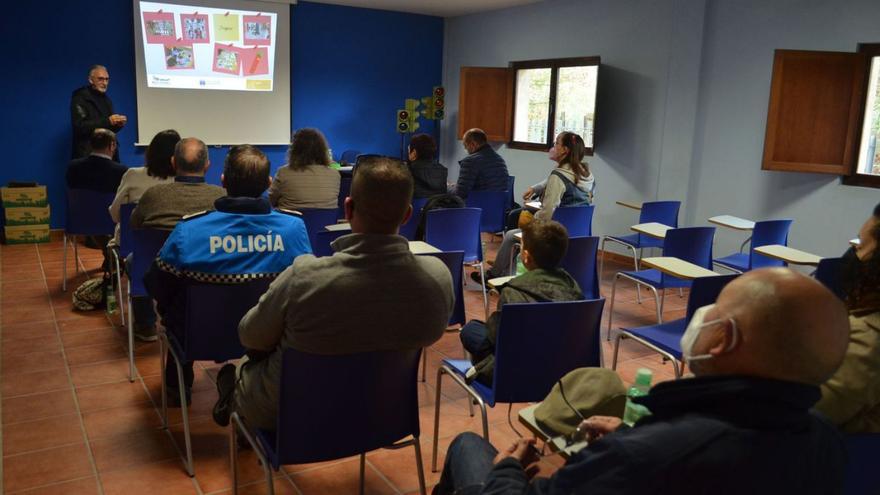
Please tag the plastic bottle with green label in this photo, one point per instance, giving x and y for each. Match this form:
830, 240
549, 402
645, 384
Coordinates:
641, 387
110, 298
520, 267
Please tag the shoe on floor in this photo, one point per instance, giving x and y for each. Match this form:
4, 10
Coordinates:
146, 333
172, 396
225, 390
475, 276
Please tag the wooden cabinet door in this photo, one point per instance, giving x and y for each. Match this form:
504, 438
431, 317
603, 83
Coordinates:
814, 111
486, 101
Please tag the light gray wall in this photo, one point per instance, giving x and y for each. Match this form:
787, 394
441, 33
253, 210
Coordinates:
683, 94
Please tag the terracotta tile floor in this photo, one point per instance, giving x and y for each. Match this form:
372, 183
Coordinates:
73, 424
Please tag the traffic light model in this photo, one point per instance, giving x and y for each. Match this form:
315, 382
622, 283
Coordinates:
403, 120
438, 103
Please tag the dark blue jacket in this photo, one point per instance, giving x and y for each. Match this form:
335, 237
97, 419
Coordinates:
95, 173
482, 170
708, 435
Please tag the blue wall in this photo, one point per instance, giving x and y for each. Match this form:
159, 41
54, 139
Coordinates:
351, 70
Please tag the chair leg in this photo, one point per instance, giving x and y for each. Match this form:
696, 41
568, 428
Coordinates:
75, 257
485, 293
616, 350
602, 260
680, 292
611, 307
363, 468
419, 466
163, 355
119, 288
235, 421
424, 363
233, 457
131, 346
662, 300
184, 413
64, 266
675, 369
440, 372
636, 265
657, 304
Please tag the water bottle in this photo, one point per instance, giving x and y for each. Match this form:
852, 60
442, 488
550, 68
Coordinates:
520, 267
642, 385
109, 298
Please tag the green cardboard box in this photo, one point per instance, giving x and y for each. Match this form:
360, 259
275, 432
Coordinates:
15, 197
27, 234
27, 216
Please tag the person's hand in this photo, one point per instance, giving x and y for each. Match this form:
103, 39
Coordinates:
599, 426
528, 194
522, 450
118, 120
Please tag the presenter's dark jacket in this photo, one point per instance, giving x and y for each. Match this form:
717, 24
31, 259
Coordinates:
429, 178
89, 110
242, 240
95, 173
720, 435
482, 170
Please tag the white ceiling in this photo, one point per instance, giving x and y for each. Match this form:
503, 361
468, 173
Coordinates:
441, 8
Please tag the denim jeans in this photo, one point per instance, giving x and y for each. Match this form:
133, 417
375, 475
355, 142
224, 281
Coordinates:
474, 338
469, 460
142, 309
501, 268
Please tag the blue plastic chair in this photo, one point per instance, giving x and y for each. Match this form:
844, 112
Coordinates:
691, 244
764, 234
349, 156
566, 333
511, 182
408, 229
316, 219
828, 272
122, 251
860, 478
665, 338
210, 333
493, 204
665, 212
146, 244
578, 220
580, 262
458, 229
453, 261
87, 214
323, 240
317, 393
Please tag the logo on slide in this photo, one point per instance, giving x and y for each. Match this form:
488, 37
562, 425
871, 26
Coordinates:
201, 82
161, 80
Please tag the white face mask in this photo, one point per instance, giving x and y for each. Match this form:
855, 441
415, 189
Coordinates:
693, 332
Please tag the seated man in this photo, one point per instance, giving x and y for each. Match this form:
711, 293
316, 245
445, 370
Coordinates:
742, 425
163, 205
244, 236
97, 171
373, 294
483, 169
544, 246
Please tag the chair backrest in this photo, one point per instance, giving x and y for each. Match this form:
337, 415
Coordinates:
704, 291
580, 263
565, 336
146, 244
692, 244
455, 229
344, 191
88, 213
860, 477
511, 182
408, 229
212, 315
316, 219
493, 204
828, 272
125, 240
665, 212
323, 239
349, 156
453, 261
765, 233
578, 220
315, 421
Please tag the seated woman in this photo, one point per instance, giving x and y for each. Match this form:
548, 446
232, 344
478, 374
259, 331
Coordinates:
306, 181
569, 184
157, 170
851, 398
429, 176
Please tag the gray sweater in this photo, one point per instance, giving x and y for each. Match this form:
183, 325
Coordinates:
163, 205
373, 294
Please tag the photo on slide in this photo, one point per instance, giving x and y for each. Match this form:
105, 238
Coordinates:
227, 59
195, 28
226, 27
257, 29
179, 56
159, 27
255, 61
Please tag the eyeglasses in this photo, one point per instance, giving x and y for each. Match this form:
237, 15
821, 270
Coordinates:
102, 79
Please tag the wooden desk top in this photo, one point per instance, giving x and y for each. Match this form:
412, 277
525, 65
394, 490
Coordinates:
557, 444
630, 204
499, 281
422, 247
733, 222
789, 255
534, 205
336, 227
677, 267
652, 229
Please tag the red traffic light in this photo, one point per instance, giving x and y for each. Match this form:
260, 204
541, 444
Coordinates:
403, 115
438, 103
439, 92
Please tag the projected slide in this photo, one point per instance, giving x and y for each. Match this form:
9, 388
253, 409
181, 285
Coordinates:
188, 47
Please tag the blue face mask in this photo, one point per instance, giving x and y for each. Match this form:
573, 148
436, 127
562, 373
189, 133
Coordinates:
692, 332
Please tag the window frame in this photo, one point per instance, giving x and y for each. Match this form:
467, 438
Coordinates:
554, 65
854, 178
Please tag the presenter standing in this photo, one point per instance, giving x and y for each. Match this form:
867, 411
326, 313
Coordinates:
90, 109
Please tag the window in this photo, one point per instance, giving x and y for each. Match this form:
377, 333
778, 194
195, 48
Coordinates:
866, 169
552, 96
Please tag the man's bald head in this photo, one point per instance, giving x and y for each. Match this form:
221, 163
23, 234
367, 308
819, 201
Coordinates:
190, 157
381, 196
790, 328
